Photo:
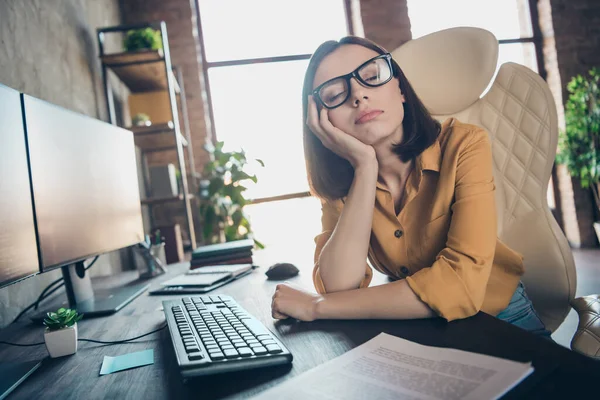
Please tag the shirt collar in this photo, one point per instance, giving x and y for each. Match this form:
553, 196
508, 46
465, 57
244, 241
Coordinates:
431, 158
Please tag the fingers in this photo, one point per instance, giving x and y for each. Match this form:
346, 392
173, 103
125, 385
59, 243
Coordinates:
312, 119
326, 125
275, 310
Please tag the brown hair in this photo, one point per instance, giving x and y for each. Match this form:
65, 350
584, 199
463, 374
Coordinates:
330, 175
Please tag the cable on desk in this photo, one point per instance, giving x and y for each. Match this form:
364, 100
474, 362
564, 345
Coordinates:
89, 340
47, 292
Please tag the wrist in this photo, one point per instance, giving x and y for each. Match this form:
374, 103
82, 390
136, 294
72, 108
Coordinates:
368, 166
319, 305
366, 160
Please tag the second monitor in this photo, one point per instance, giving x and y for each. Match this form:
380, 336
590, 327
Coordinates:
85, 196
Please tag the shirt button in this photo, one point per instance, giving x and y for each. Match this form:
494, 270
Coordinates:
398, 233
405, 270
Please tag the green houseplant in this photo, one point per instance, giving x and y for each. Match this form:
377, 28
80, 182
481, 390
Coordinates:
60, 335
222, 198
579, 143
142, 39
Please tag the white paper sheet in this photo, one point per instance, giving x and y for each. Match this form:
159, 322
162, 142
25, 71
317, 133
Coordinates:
389, 368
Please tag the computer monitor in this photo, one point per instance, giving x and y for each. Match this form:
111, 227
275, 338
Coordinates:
18, 247
85, 196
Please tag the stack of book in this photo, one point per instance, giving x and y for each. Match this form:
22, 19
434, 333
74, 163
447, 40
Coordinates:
235, 252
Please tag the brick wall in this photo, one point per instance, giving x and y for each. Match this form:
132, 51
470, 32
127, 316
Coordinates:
386, 22
576, 26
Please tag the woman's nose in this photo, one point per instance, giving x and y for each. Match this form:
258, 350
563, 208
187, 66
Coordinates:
358, 92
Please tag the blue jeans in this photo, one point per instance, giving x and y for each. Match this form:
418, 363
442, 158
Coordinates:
520, 312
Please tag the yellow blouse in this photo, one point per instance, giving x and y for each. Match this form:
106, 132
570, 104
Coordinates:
444, 240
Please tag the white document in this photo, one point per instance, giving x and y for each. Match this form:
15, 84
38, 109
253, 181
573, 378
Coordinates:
389, 368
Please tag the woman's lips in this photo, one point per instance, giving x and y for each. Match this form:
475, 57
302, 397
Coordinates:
368, 116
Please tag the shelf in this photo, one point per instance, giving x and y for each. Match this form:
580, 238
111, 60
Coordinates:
141, 71
156, 137
162, 200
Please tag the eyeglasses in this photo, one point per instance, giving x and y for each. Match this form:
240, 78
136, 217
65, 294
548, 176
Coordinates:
373, 73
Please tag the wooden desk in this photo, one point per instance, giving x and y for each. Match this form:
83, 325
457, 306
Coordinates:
559, 373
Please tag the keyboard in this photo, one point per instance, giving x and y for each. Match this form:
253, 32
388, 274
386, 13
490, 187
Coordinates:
214, 334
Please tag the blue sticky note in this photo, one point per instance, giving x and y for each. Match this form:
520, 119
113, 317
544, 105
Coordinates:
127, 361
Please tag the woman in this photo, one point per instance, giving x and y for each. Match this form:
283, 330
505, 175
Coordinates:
413, 196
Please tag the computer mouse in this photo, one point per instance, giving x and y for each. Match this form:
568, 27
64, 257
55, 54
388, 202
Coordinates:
282, 270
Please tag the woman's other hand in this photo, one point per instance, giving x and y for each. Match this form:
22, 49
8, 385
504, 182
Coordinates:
341, 143
291, 301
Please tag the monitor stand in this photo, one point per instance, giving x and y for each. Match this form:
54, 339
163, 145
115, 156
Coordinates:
93, 303
13, 373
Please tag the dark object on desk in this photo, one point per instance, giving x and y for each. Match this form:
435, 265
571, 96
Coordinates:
282, 271
197, 289
173, 243
223, 249
214, 334
242, 258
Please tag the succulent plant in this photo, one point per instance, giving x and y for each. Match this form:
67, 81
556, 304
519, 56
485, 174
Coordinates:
62, 318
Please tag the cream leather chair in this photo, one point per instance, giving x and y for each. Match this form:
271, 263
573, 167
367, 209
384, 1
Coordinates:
450, 70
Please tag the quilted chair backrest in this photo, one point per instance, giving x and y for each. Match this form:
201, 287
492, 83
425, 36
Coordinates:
450, 70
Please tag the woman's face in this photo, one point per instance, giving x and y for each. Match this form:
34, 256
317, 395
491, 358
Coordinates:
370, 114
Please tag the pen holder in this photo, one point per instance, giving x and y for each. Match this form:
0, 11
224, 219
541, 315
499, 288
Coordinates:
151, 261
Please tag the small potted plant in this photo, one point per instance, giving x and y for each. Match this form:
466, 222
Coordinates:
141, 119
222, 197
142, 40
61, 332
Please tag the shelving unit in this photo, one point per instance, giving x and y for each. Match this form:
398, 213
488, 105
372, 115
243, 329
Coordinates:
150, 71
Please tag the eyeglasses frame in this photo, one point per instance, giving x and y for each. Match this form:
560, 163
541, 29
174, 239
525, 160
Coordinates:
354, 74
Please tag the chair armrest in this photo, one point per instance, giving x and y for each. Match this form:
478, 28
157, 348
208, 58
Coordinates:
587, 338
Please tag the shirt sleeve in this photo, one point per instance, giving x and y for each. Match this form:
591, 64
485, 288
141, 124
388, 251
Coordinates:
454, 286
329, 218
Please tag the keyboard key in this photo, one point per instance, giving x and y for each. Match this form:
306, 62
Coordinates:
273, 349
259, 351
217, 356
195, 356
231, 353
268, 341
245, 352
192, 349
255, 345
240, 345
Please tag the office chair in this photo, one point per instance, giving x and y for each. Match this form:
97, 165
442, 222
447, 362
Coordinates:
450, 71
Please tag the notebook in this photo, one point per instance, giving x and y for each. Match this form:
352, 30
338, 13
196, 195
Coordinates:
198, 289
223, 249
208, 276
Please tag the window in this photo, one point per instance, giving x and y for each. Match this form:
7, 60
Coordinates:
255, 55
509, 20
255, 59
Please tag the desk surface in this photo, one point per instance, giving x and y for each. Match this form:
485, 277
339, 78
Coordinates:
559, 372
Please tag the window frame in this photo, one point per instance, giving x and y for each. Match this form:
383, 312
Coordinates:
536, 39
206, 65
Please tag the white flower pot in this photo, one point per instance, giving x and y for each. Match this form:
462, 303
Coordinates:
61, 342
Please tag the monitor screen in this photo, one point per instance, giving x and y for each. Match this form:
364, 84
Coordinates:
85, 184
18, 247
